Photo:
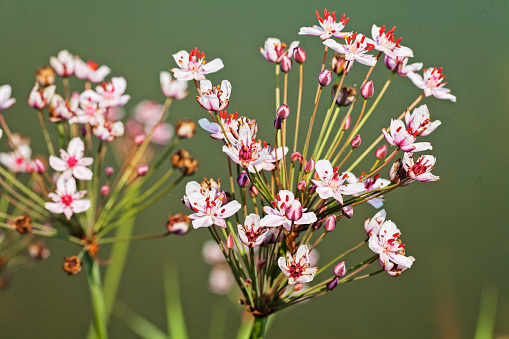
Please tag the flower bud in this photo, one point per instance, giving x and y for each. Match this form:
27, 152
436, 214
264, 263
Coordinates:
330, 223
286, 64
283, 111
178, 224
345, 96
297, 287
333, 284
243, 179
299, 55
301, 185
340, 269
325, 77
296, 156
39, 166
45, 76
346, 122
367, 90
338, 64
142, 170
253, 191
312, 189
138, 140
109, 171
309, 166
262, 263
277, 123
317, 226
229, 241
105, 190
185, 129
348, 211
381, 152
356, 141
294, 212
72, 265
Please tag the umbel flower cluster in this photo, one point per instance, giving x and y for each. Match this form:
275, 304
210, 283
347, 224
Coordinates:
285, 202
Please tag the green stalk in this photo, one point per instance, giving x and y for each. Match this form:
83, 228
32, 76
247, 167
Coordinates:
258, 329
96, 296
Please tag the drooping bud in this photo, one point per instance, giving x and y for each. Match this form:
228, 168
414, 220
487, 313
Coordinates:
286, 64
309, 166
346, 95
243, 179
45, 76
338, 64
178, 224
340, 269
346, 122
253, 191
109, 171
356, 141
330, 223
39, 166
283, 111
297, 287
23, 224
299, 55
381, 152
296, 156
142, 170
138, 140
333, 284
325, 77
229, 241
72, 265
368, 89
38, 251
301, 185
277, 123
348, 211
294, 212
105, 190
185, 129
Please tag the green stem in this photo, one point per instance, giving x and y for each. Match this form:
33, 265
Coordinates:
258, 329
97, 297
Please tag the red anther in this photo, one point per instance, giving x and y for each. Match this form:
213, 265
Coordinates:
92, 65
283, 205
433, 71
326, 16
395, 235
401, 245
354, 36
202, 55
222, 211
103, 85
440, 70
382, 30
318, 16
236, 115
334, 16
325, 13
363, 174
362, 39
335, 169
278, 197
274, 204
377, 176
399, 129
342, 18
287, 198
346, 20
265, 144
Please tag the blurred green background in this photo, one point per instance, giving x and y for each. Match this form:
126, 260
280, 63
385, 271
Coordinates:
455, 228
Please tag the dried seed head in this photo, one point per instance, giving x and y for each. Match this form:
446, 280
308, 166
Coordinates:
23, 224
397, 172
45, 76
72, 265
184, 162
185, 129
38, 251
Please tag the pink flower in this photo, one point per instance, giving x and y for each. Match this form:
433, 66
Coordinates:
370, 184
243, 149
18, 160
39, 98
72, 162
399, 65
273, 50
252, 234
420, 121
209, 208
421, 169
269, 163
355, 48
214, 98
296, 268
172, 88
404, 138
67, 200
90, 71
193, 65
63, 64
432, 83
5, 97
88, 111
372, 225
109, 94
328, 26
61, 110
384, 42
278, 214
330, 183
108, 130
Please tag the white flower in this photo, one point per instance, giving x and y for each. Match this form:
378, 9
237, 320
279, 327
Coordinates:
370, 184
284, 210
18, 160
399, 65
172, 88
296, 268
420, 121
109, 94
252, 234
372, 225
63, 64
108, 130
90, 71
273, 50
5, 97
420, 170
432, 83
355, 48
404, 138
214, 98
72, 162
39, 99
328, 26
193, 65
209, 208
67, 200
384, 42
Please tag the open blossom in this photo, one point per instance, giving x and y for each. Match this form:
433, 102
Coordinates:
399, 65
63, 64
214, 98
251, 233
18, 160
372, 225
384, 42
390, 249
420, 121
59, 109
243, 149
108, 130
109, 94
420, 170
269, 163
228, 121
90, 71
209, 208
282, 212
355, 48
172, 88
192, 65
39, 98
370, 184
404, 138
73, 163
328, 26
274, 50
297, 268
66, 199
88, 111
432, 83
331, 184
203, 188
5, 97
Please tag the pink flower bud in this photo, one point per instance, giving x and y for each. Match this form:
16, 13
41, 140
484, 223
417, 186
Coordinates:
39, 166
356, 141
333, 284
109, 171
142, 170
138, 140
229, 241
317, 226
243, 179
105, 190
367, 90
312, 189
297, 287
309, 166
325, 77
381, 152
253, 191
340, 269
294, 212
330, 223
262, 263
299, 55
348, 211
283, 111
346, 123
301, 185
297, 156
286, 64
277, 123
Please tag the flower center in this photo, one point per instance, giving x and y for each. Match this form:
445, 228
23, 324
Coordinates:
72, 161
67, 199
